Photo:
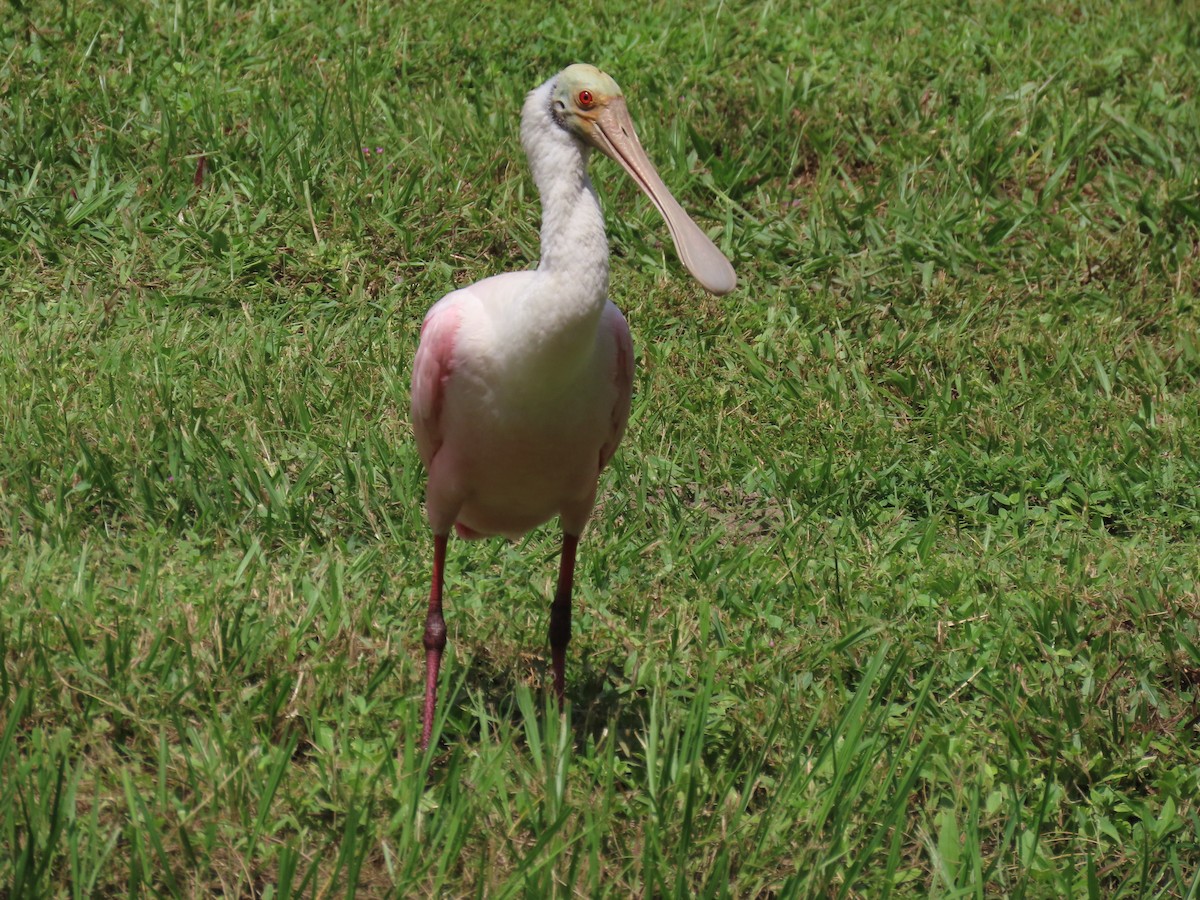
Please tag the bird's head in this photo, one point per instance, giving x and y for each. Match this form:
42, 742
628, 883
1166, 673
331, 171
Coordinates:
590, 105
582, 96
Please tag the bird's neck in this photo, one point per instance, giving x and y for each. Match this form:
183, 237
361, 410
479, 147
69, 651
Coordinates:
573, 242
574, 261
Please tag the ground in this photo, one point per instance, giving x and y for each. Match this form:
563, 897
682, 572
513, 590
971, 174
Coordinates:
892, 589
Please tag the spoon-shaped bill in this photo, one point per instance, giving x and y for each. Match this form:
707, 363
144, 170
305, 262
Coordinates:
615, 136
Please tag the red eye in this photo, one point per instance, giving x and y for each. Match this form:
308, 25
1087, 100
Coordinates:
585, 99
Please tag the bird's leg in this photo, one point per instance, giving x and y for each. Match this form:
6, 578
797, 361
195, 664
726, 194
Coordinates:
435, 635
560, 613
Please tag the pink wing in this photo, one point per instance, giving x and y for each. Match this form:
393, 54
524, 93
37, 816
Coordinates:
614, 324
432, 368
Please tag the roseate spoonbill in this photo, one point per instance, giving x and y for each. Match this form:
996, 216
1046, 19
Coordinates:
521, 384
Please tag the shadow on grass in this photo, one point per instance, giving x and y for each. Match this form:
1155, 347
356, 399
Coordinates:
599, 708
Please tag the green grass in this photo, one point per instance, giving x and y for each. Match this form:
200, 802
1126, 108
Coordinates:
893, 589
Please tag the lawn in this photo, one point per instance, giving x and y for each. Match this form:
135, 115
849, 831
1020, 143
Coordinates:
893, 588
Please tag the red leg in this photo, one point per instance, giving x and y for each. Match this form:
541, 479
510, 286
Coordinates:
435, 636
560, 613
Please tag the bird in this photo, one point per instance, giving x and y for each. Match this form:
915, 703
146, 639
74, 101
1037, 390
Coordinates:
522, 382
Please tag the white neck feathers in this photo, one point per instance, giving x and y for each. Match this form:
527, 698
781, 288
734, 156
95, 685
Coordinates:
574, 248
